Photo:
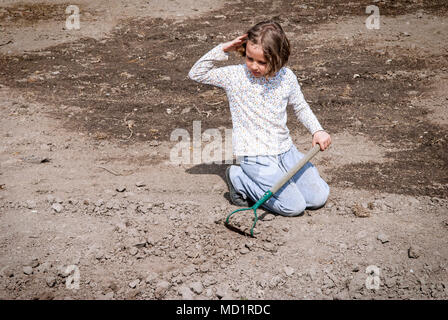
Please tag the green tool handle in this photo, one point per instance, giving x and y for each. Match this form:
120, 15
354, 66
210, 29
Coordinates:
296, 168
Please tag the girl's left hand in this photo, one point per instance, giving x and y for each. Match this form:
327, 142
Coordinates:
322, 138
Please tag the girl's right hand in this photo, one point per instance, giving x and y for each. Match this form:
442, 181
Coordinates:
234, 44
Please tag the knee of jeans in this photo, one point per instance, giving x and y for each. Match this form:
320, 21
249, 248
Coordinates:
291, 209
319, 198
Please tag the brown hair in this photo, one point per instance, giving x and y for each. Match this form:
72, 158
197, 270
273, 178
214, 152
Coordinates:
273, 40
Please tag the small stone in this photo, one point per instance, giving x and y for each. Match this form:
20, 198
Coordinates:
221, 292
31, 204
27, 270
414, 252
57, 207
288, 271
383, 238
275, 281
186, 293
209, 293
244, 250
134, 283
140, 184
51, 281
185, 110
99, 203
197, 287
8, 272
161, 289
133, 251
33, 263
120, 189
154, 143
151, 278
360, 211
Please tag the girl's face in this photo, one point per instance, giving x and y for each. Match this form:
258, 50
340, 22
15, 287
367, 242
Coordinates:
255, 60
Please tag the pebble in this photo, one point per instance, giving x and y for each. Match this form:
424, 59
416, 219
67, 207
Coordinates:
57, 207
275, 281
31, 204
27, 270
120, 188
288, 271
140, 184
151, 278
383, 238
51, 281
414, 252
197, 287
8, 272
161, 289
33, 263
134, 283
186, 293
221, 292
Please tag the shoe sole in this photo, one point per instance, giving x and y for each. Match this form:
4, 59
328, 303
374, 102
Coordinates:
230, 186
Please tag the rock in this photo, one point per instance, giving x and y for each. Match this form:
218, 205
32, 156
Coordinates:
8, 272
288, 271
133, 284
275, 282
133, 251
151, 278
209, 293
414, 252
140, 184
27, 270
154, 143
33, 263
120, 188
185, 110
51, 281
99, 203
244, 250
209, 280
186, 293
221, 292
383, 238
360, 211
189, 270
57, 207
161, 289
31, 204
197, 287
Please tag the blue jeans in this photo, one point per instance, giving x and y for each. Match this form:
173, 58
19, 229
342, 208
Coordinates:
258, 174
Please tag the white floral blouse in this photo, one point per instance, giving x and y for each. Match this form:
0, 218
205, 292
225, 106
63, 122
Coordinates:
257, 105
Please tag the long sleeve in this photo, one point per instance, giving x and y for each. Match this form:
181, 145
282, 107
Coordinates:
302, 110
205, 71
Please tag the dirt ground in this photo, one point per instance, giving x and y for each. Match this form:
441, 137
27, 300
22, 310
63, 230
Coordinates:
91, 207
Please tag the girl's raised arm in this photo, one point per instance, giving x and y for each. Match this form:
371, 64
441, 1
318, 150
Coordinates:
205, 71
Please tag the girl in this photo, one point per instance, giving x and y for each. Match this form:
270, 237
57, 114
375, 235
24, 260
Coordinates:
258, 93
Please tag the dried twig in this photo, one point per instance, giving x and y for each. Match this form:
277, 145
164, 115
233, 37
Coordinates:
4, 44
111, 171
